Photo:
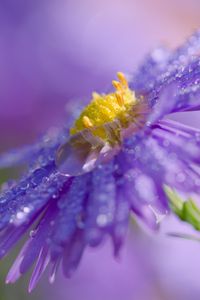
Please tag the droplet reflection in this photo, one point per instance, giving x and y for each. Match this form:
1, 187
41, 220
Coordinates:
82, 153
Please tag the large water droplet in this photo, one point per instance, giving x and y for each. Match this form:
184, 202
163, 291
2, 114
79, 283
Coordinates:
82, 153
79, 154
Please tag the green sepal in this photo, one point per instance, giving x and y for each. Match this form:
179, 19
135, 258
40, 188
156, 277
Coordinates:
187, 210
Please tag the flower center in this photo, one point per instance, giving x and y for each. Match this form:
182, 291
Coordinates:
114, 110
97, 134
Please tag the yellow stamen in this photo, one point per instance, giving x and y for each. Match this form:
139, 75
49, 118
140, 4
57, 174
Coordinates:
116, 85
120, 99
116, 106
86, 122
122, 79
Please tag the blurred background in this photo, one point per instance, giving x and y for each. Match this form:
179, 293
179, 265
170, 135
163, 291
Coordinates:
53, 52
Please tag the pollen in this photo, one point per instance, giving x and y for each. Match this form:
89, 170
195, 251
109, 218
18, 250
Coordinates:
86, 122
107, 110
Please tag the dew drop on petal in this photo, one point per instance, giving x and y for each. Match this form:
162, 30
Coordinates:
102, 220
32, 233
19, 218
82, 153
72, 158
26, 209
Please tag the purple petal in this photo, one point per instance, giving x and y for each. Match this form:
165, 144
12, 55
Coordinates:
41, 264
73, 253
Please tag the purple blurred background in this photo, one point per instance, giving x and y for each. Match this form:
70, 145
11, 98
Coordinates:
56, 51
52, 51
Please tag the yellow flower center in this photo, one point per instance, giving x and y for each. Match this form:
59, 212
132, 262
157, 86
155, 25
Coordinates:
98, 133
104, 109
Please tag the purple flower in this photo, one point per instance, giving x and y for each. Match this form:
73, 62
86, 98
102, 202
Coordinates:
85, 180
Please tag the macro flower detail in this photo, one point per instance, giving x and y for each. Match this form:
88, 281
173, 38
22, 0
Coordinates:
82, 182
99, 131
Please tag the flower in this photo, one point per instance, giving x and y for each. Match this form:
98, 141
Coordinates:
85, 180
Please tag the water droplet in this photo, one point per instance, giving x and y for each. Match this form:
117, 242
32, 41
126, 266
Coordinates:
32, 233
19, 218
148, 123
102, 220
3, 200
38, 175
26, 209
20, 215
71, 156
24, 185
80, 154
